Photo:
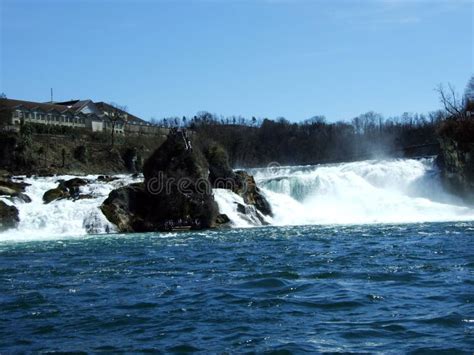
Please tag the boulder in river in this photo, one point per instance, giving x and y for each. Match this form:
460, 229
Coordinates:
14, 190
8, 216
127, 208
6, 183
177, 190
57, 193
177, 180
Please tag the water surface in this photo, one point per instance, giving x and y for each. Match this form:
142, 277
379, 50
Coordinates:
365, 288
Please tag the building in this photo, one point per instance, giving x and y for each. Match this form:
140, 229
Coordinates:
85, 114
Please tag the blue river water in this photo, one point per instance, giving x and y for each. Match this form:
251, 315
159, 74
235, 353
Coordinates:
367, 288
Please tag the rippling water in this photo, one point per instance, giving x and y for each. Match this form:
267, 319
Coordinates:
378, 288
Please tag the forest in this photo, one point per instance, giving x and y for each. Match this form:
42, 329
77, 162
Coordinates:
252, 142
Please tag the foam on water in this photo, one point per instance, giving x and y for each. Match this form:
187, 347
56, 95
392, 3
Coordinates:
385, 191
39, 221
388, 191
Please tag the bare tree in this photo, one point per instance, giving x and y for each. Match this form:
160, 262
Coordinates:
453, 104
116, 115
469, 91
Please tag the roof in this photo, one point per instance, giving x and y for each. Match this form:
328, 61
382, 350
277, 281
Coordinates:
11, 104
72, 106
102, 106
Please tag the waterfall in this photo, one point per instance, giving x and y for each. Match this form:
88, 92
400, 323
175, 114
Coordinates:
62, 217
383, 191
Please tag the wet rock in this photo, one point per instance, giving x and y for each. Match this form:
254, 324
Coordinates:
247, 188
75, 183
222, 220
240, 182
127, 208
8, 216
130, 159
20, 197
55, 194
106, 178
6, 191
84, 197
7, 183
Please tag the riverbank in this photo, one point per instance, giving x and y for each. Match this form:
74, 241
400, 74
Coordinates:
74, 154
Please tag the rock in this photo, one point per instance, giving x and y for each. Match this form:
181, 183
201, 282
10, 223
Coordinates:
75, 183
106, 178
130, 159
72, 186
220, 172
14, 190
222, 219
6, 191
55, 194
84, 197
177, 178
240, 182
241, 208
252, 215
127, 208
21, 197
177, 190
15, 186
8, 216
456, 158
248, 190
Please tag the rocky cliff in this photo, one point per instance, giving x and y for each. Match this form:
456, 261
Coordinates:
456, 158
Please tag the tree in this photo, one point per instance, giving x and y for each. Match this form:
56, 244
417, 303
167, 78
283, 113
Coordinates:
469, 91
3, 95
452, 103
116, 115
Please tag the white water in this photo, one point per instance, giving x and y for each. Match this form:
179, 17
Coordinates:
62, 217
389, 191
386, 191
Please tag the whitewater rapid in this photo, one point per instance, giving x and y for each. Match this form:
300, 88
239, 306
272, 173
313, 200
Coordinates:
377, 191
367, 192
39, 221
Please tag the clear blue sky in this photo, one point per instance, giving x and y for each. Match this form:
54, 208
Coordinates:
267, 58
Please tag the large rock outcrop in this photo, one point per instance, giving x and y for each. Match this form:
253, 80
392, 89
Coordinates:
177, 190
177, 179
456, 158
240, 182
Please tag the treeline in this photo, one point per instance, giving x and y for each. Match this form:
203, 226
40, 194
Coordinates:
254, 142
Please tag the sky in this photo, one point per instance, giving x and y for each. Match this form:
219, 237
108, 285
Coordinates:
263, 58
